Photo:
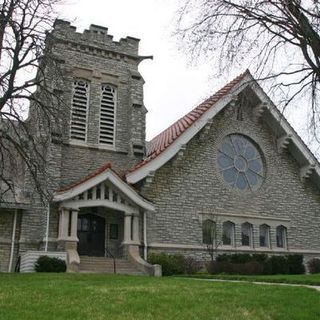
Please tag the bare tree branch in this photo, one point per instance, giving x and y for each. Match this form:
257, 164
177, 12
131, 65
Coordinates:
26, 86
279, 39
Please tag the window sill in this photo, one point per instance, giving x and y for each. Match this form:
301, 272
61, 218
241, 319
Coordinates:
91, 145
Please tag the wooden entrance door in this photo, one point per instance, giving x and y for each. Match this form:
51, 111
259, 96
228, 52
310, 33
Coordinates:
91, 234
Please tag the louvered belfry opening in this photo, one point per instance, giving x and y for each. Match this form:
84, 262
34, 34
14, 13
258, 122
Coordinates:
79, 110
107, 114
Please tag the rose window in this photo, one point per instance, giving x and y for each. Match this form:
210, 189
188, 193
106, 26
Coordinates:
240, 163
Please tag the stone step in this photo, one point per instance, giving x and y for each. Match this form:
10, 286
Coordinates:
105, 265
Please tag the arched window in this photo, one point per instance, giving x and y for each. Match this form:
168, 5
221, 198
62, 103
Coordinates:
228, 233
208, 231
264, 231
246, 234
79, 110
107, 114
281, 233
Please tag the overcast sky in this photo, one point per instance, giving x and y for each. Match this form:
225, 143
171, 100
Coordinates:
172, 86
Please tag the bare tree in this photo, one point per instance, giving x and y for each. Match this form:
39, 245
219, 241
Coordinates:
211, 234
279, 40
25, 85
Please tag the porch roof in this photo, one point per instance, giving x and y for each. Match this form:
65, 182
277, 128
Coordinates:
95, 179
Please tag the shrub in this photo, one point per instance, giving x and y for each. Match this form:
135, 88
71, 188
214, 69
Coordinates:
171, 264
223, 257
240, 258
191, 265
216, 267
279, 265
295, 264
49, 264
246, 268
314, 265
241, 263
177, 263
260, 257
174, 263
251, 267
267, 266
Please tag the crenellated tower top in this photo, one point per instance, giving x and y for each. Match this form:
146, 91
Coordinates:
96, 40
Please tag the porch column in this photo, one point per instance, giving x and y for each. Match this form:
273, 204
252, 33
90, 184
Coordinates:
74, 225
135, 228
68, 225
63, 224
68, 237
127, 227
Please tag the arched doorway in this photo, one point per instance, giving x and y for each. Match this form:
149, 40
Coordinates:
91, 234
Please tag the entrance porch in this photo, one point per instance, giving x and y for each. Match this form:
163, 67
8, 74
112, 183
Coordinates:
103, 217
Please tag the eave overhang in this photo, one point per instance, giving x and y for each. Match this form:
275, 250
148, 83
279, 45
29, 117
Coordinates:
114, 179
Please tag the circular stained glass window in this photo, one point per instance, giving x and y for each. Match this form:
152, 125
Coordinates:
240, 163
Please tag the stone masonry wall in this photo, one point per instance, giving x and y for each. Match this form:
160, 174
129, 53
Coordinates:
6, 226
6, 220
95, 57
186, 191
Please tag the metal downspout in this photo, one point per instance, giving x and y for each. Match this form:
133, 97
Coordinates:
145, 249
47, 229
14, 227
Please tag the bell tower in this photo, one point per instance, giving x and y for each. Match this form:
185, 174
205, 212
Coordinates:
102, 89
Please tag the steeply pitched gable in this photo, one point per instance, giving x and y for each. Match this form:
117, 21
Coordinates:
168, 143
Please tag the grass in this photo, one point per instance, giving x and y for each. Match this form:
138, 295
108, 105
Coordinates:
308, 279
84, 296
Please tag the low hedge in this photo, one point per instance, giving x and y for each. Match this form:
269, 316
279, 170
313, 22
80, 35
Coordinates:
314, 265
50, 264
246, 268
174, 264
246, 264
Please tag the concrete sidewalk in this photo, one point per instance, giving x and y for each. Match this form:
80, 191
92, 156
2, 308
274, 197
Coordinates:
257, 282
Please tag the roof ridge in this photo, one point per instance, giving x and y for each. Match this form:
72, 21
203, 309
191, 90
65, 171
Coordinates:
165, 138
203, 102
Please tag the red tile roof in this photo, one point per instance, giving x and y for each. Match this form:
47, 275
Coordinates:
164, 139
88, 177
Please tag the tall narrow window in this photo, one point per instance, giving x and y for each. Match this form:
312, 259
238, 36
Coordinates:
228, 233
107, 114
208, 232
79, 110
281, 233
264, 231
246, 234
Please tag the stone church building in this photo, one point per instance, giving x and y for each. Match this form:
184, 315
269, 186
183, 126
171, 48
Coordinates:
233, 163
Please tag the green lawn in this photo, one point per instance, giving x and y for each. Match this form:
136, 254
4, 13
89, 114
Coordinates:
309, 279
83, 296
